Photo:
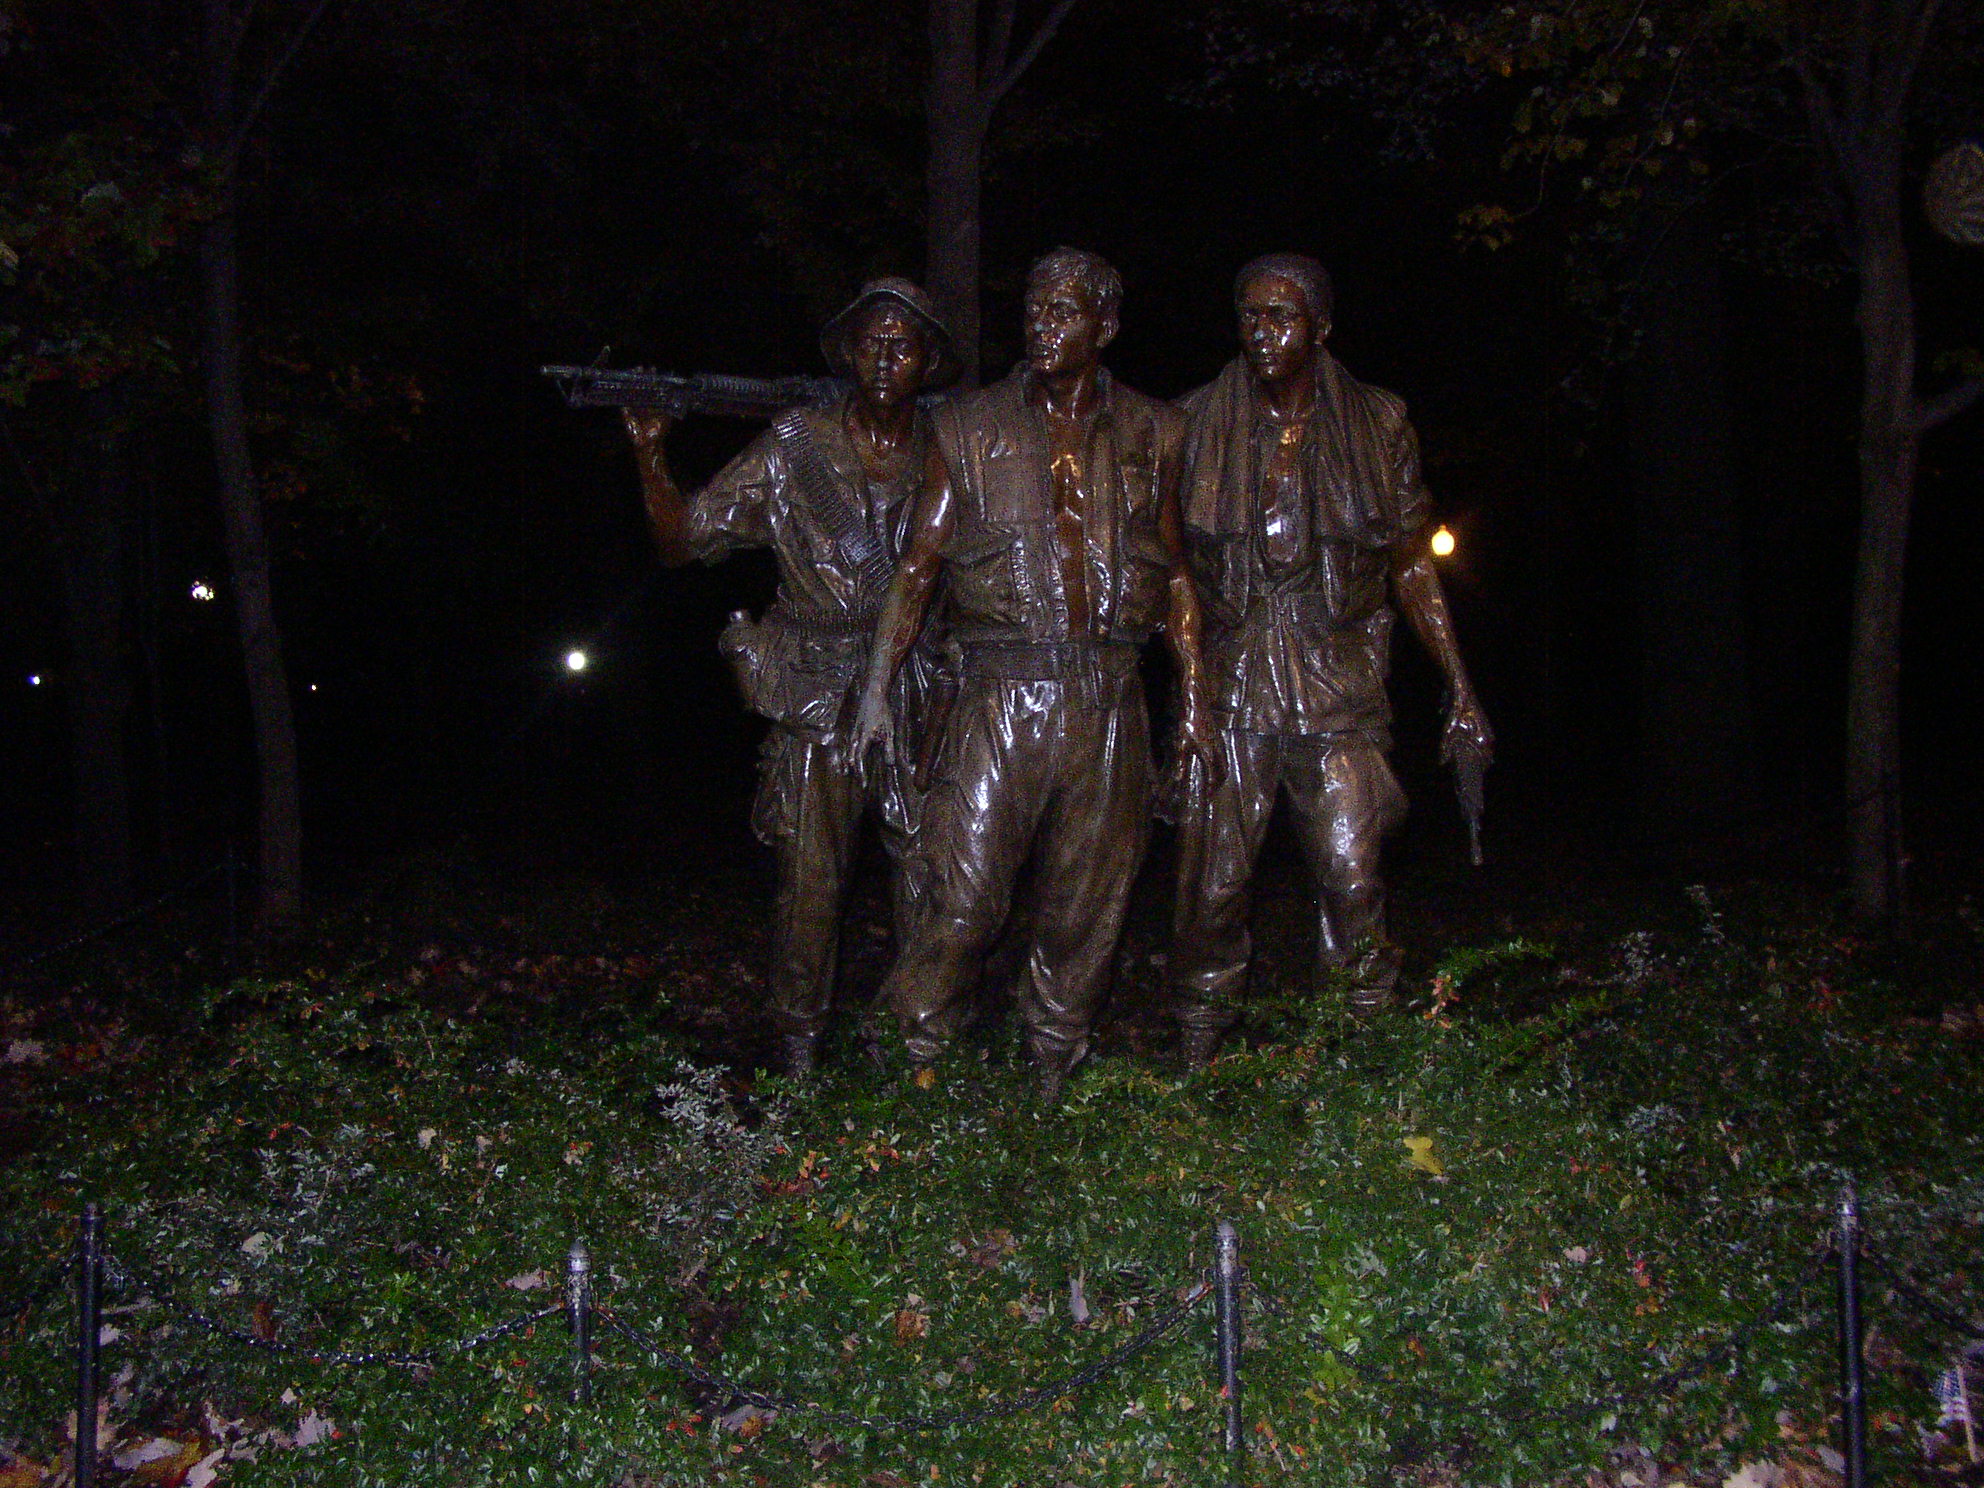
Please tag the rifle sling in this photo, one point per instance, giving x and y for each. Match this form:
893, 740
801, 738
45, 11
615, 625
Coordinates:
833, 506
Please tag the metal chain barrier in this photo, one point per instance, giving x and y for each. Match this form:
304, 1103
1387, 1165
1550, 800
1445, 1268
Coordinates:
1910, 1291
130, 917
1730, 1345
995, 1410
38, 1291
122, 1275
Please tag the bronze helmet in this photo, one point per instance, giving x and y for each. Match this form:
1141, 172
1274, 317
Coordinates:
944, 364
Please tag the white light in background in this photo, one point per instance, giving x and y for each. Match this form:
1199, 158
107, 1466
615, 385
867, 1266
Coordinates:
576, 661
34, 679
202, 591
1442, 543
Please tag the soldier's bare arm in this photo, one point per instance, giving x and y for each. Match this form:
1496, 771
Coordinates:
908, 601
1417, 589
668, 513
1183, 626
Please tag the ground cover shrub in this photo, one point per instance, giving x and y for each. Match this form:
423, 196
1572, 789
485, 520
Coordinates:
1475, 1230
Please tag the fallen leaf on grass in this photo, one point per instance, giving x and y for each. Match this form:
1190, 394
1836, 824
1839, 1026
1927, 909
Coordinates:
148, 1451
747, 1420
1420, 1155
926, 1078
993, 1249
1027, 1310
911, 1321
1077, 1301
1754, 1475
314, 1428
173, 1469
529, 1281
21, 1472
1577, 1255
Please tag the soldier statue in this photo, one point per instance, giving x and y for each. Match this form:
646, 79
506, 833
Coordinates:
1305, 515
829, 489
1050, 512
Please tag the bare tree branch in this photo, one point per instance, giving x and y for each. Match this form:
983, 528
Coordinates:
1947, 404
1860, 62
247, 120
1041, 37
239, 26
1823, 123
1897, 77
999, 46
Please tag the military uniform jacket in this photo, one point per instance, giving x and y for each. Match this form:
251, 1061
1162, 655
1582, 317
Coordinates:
1297, 631
1004, 584
800, 664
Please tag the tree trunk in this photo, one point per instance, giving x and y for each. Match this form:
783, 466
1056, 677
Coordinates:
279, 811
1695, 741
93, 546
955, 122
1890, 437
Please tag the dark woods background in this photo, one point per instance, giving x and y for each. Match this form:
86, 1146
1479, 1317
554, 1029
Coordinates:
1639, 415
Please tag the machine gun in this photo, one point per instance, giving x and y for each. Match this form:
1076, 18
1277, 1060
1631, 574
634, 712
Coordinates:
1469, 767
701, 392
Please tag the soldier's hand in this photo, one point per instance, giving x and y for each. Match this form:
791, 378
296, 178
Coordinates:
873, 727
1198, 742
647, 427
1467, 729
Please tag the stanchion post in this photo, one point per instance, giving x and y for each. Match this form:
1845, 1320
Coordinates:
1226, 1303
578, 1307
1852, 1360
89, 1314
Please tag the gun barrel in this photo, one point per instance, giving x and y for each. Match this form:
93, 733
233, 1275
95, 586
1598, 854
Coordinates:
734, 397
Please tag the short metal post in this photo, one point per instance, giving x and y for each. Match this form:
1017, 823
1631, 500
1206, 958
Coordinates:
1226, 1303
1852, 1361
89, 1314
578, 1308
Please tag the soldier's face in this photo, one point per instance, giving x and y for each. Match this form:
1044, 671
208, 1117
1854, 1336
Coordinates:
1277, 332
889, 354
1065, 330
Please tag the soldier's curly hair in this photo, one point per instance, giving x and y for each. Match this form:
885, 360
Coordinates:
1094, 273
1304, 272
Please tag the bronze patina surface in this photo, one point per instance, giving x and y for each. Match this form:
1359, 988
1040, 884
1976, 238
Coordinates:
1305, 514
830, 491
1050, 513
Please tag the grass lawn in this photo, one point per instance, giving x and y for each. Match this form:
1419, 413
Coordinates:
1484, 1235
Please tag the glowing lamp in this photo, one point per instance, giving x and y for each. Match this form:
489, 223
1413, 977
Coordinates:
35, 680
1442, 543
576, 661
202, 591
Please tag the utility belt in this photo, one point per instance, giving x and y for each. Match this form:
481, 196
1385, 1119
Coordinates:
1093, 671
798, 670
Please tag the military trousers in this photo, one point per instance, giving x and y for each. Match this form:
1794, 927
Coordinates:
1346, 800
809, 809
1040, 771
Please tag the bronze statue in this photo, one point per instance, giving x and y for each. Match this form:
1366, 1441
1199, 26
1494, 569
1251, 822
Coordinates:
1305, 514
1050, 510
829, 489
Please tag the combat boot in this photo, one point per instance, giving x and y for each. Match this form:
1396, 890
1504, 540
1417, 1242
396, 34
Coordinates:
1052, 1064
1196, 1047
